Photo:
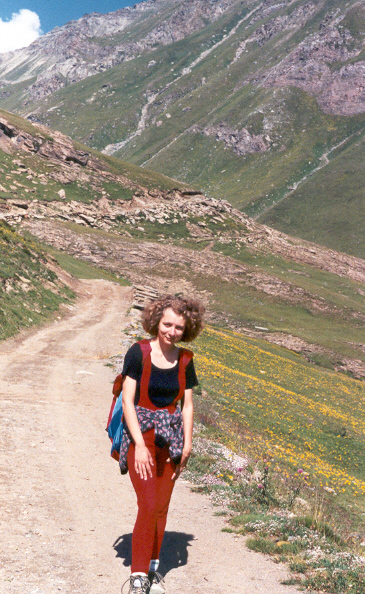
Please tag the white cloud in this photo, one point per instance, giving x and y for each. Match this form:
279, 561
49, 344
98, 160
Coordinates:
23, 28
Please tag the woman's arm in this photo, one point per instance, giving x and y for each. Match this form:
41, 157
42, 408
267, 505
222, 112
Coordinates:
188, 419
142, 459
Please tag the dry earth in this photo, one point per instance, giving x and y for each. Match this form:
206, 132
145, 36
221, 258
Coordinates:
66, 514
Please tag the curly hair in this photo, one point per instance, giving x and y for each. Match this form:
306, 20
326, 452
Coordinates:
191, 310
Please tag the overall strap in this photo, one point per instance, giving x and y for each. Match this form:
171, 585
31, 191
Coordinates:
184, 357
119, 380
146, 370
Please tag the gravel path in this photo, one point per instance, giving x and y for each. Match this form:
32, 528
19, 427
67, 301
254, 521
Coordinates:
66, 514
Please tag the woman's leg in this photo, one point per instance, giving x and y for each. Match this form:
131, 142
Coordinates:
153, 497
165, 485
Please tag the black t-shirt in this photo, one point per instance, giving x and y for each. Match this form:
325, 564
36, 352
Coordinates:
163, 386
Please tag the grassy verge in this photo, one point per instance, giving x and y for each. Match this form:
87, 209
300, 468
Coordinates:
284, 515
286, 460
29, 292
80, 269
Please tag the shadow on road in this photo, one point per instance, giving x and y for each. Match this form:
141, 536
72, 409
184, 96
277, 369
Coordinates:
174, 552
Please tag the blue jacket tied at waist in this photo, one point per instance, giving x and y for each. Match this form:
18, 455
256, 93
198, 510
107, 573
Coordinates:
168, 431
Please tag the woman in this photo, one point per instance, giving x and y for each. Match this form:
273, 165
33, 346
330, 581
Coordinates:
158, 435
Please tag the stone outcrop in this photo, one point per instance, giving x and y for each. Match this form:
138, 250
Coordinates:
57, 147
240, 141
167, 208
142, 295
64, 164
326, 66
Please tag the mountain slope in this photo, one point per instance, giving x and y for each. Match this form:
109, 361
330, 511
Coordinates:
48, 162
243, 99
98, 42
145, 228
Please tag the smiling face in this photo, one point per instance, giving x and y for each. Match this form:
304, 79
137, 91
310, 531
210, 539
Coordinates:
171, 327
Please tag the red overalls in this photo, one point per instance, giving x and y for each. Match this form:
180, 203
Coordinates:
153, 494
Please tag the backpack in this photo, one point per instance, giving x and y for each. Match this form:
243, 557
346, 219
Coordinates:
115, 420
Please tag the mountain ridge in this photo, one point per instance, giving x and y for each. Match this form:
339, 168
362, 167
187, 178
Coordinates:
74, 45
257, 102
63, 47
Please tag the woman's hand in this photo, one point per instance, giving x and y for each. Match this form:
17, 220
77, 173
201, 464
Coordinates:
143, 461
183, 462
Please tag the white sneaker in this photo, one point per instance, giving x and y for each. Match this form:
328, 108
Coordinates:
138, 584
156, 581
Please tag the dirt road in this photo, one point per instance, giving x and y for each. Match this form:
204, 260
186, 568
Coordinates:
66, 514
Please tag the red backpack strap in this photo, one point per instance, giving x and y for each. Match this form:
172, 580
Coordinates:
145, 347
118, 385
119, 380
185, 356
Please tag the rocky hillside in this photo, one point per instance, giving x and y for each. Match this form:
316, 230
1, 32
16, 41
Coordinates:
156, 233
98, 42
259, 103
50, 161
32, 285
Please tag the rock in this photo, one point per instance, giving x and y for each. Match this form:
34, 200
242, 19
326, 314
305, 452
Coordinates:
339, 91
62, 194
23, 204
330, 490
241, 141
301, 506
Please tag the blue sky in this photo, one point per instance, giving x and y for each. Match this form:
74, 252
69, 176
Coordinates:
22, 21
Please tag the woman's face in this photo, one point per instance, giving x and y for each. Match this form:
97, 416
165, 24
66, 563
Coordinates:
171, 327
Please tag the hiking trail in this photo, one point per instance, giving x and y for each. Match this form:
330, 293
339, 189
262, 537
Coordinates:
66, 514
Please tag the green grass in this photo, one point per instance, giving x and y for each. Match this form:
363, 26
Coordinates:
29, 292
354, 21
299, 141
299, 415
83, 270
329, 207
334, 330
